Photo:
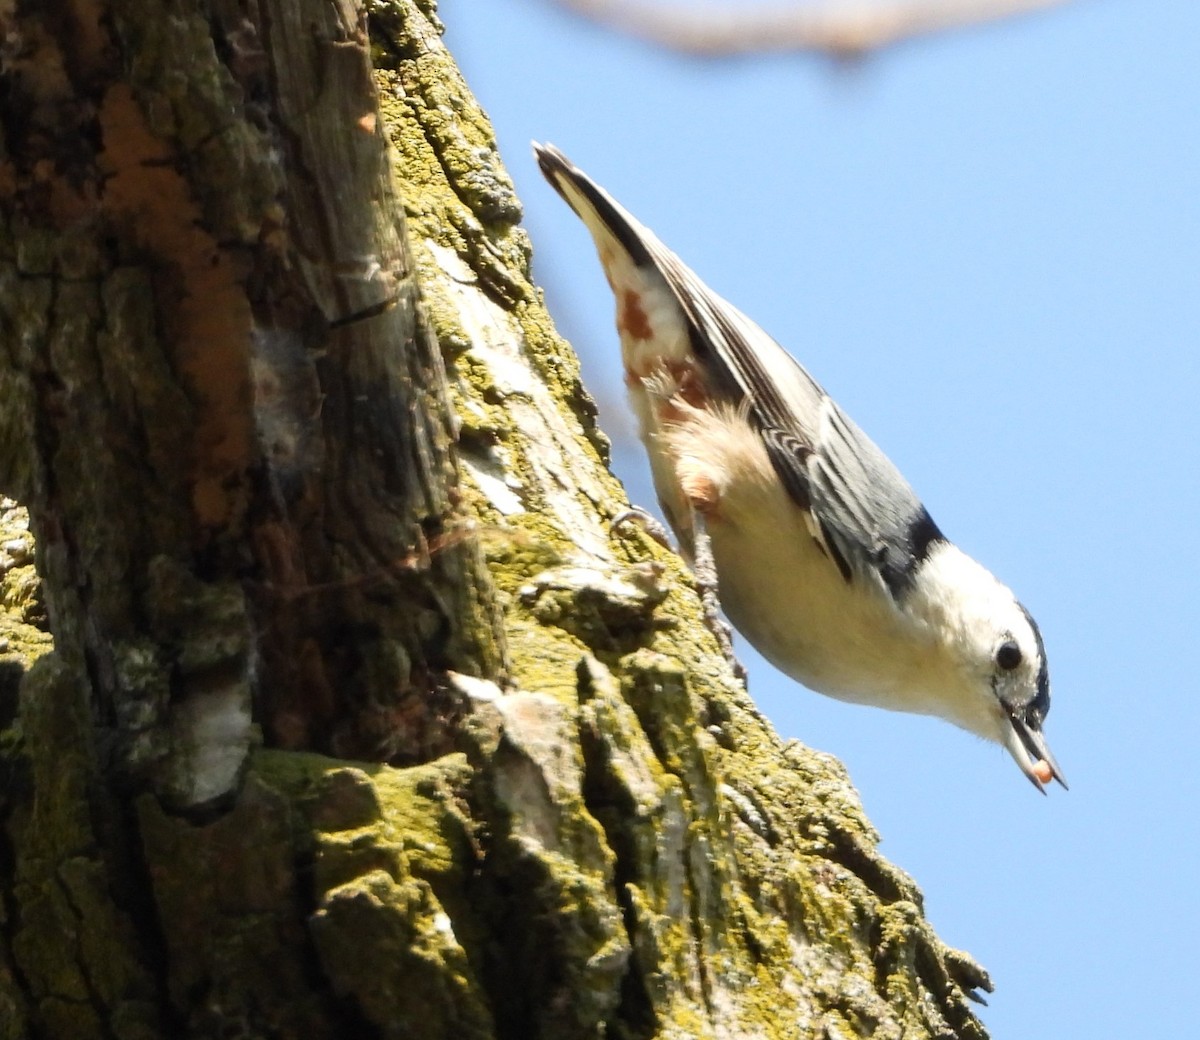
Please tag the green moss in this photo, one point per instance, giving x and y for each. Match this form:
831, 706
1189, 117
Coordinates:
367, 847
530, 543
386, 842
545, 660
75, 950
390, 948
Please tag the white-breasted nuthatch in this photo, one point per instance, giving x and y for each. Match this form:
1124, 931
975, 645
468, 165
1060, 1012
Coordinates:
824, 557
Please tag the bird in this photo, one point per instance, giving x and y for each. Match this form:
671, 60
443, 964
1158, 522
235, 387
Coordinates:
822, 555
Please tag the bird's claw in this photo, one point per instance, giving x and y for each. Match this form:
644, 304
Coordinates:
639, 516
703, 568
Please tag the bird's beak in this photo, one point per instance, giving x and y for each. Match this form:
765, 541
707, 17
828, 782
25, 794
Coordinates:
1028, 747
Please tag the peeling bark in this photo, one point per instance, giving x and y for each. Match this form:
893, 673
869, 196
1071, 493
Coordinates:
357, 721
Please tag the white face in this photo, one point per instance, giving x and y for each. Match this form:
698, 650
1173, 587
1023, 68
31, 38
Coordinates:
1012, 652
996, 643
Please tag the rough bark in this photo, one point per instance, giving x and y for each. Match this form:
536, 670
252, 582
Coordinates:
357, 721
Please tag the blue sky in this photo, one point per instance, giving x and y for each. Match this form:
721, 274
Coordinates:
987, 247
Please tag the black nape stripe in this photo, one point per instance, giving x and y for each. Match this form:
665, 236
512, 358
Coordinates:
1040, 705
923, 535
898, 564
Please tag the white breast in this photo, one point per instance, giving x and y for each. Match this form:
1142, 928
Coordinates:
787, 597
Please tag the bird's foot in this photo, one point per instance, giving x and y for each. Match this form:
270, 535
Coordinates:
705, 569
637, 515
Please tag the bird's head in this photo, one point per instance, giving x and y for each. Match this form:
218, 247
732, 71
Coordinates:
1003, 680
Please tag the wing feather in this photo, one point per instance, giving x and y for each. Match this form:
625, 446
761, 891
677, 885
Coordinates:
866, 516
870, 520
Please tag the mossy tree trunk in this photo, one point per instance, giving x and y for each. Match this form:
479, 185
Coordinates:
357, 721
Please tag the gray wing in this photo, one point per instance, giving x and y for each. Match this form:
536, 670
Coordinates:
871, 521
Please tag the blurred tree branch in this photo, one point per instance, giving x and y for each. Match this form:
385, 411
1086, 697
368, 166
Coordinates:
839, 28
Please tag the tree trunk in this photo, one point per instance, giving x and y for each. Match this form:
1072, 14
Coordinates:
357, 721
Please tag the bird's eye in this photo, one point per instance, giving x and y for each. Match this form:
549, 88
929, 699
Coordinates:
1008, 656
